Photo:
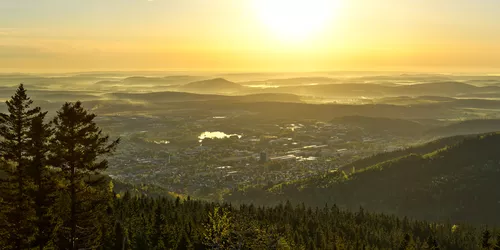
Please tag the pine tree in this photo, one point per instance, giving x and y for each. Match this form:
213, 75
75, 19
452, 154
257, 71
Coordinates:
486, 239
218, 229
157, 239
311, 245
120, 238
283, 244
183, 242
44, 188
432, 243
497, 244
3, 207
320, 239
107, 224
405, 243
14, 144
78, 146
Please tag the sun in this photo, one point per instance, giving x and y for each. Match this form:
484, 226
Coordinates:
296, 20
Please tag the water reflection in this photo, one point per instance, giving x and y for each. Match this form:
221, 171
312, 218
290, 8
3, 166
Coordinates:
310, 158
215, 135
162, 142
293, 126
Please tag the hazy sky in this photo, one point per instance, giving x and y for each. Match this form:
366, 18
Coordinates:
430, 35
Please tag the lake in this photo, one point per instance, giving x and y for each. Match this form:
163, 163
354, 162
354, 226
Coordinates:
215, 135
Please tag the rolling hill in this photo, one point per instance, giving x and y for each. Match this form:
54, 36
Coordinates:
439, 88
216, 85
380, 125
445, 89
164, 96
414, 100
467, 127
171, 96
293, 81
166, 80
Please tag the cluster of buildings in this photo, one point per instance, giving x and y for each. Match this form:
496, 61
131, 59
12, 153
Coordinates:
247, 160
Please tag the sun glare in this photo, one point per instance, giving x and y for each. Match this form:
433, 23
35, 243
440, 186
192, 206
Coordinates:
296, 20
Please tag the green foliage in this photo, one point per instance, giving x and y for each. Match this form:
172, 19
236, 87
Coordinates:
218, 229
204, 225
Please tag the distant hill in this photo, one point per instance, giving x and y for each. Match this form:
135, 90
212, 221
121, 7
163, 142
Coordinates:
439, 88
380, 125
412, 100
406, 77
268, 97
336, 90
422, 149
164, 96
475, 103
216, 85
293, 81
170, 96
108, 82
446, 89
467, 127
457, 182
167, 80
495, 95
288, 110
442, 101
150, 81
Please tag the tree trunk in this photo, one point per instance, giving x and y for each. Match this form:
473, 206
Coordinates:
73, 209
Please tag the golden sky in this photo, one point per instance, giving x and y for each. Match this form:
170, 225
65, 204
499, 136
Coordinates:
249, 35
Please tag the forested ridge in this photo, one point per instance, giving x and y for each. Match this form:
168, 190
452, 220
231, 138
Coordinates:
53, 195
418, 149
453, 179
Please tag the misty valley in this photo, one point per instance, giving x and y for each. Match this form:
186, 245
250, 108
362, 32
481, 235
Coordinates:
213, 136
417, 146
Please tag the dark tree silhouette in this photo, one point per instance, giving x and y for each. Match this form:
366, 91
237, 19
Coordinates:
77, 148
14, 145
44, 180
486, 239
